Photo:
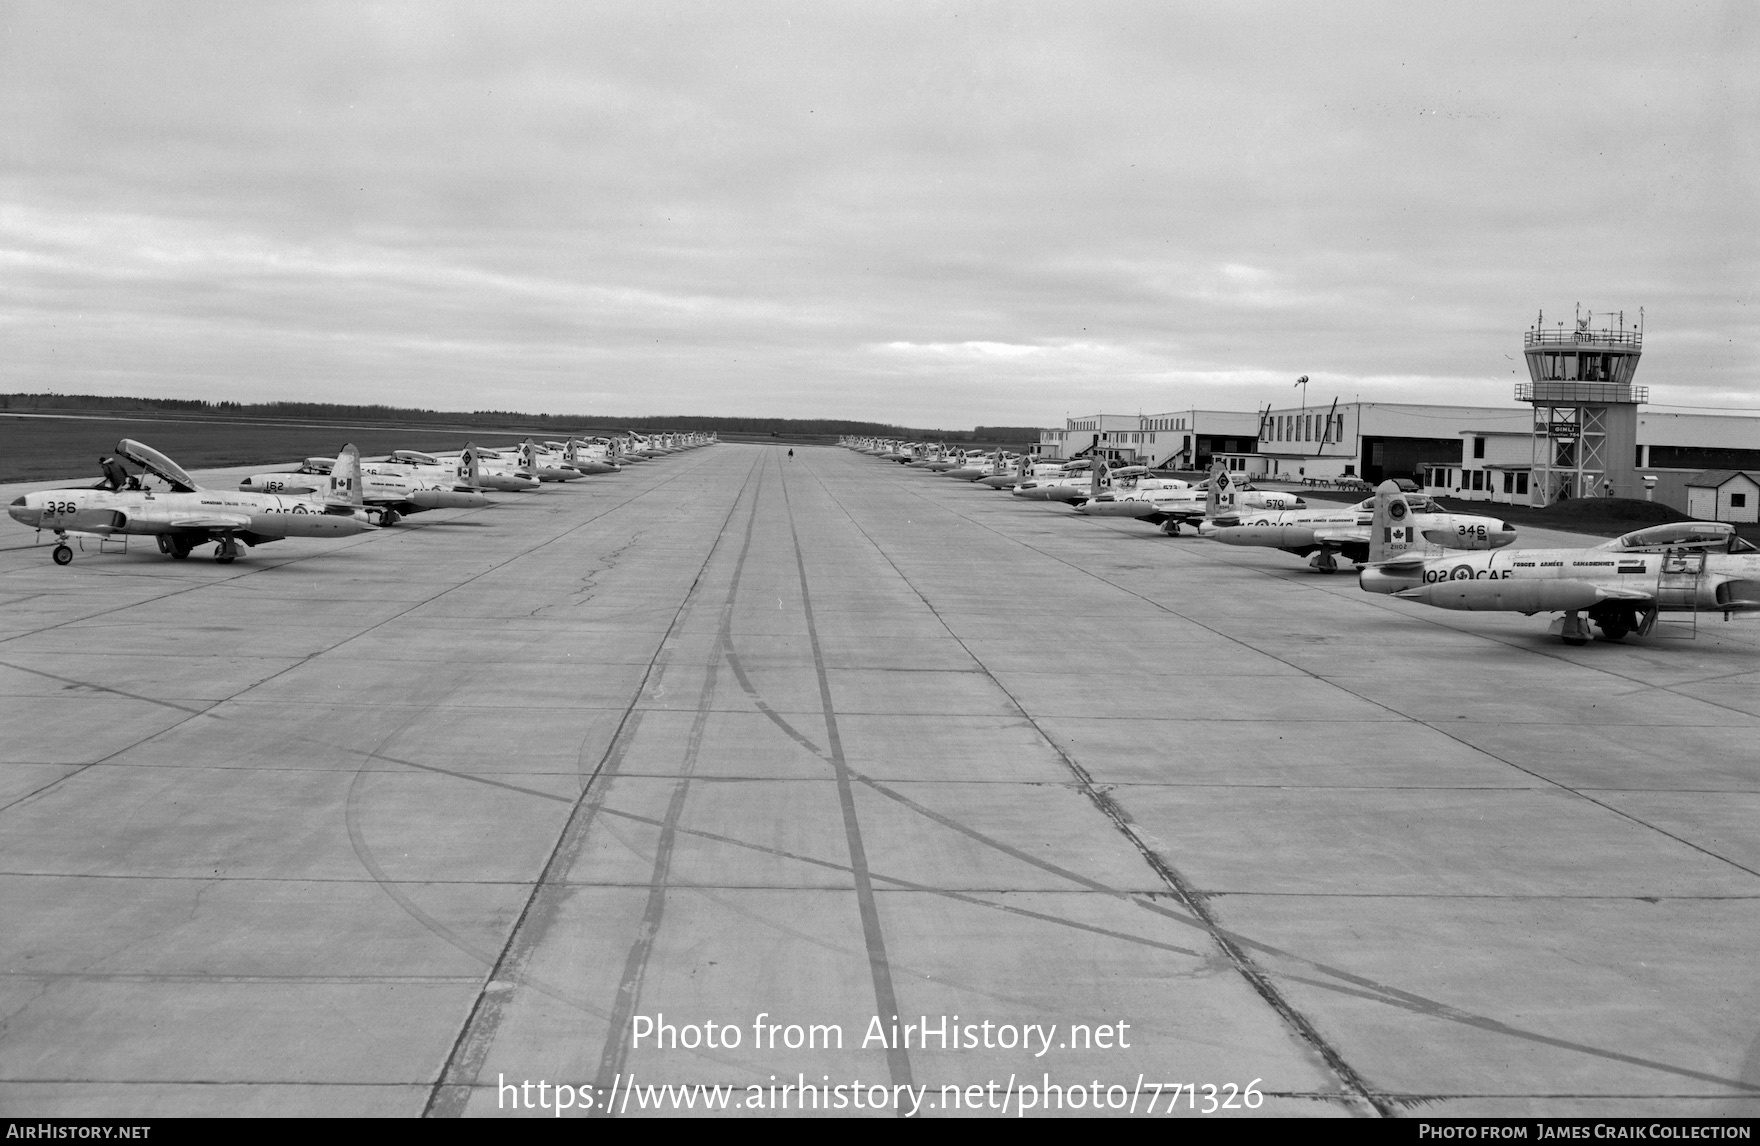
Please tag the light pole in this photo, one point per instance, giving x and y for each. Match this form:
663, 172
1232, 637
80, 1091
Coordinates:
1303, 383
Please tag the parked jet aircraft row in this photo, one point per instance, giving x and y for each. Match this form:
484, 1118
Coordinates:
1403, 545
323, 498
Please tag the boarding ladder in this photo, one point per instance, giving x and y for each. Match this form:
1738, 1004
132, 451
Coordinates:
1678, 585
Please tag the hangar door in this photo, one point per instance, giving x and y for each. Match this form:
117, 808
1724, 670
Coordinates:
1386, 457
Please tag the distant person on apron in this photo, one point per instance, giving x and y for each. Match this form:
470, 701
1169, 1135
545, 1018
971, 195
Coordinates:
791, 455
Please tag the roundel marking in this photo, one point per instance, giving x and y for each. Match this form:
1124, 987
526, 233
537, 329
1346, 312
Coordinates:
1461, 573
1396, 510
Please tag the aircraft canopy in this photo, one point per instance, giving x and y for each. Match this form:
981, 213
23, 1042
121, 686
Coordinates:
1680, 535
157, 464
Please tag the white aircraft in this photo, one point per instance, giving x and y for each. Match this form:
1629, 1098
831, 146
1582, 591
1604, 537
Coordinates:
390, 490
469, 470
1027, 468
594, 456
494, 471
975, 466
1171, 506
1344, 530
1621, 585
186, 515
1079, 481
537, 462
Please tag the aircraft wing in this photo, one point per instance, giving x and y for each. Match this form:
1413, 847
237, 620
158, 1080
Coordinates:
207, 520
1411, 559
1342, 534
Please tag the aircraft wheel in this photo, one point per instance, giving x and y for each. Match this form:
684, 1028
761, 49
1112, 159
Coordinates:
226, 552
389, 517
1575, 640
62, 555
1614, 630
164, 543
1171, 529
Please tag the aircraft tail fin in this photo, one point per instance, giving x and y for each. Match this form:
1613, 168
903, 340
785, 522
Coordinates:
528, 456
470, 469
345, 480
1220, 498
1391, 532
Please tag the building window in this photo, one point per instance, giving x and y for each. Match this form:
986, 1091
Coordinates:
1738, 501
1521, 483
1509, 482
1478, 447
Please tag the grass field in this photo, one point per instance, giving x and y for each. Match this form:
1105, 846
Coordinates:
50, 448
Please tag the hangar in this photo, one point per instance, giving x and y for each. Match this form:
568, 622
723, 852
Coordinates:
1581, 432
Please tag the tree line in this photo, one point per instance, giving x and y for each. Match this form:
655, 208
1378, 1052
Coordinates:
333, 411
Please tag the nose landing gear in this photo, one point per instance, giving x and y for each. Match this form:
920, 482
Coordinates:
61, 554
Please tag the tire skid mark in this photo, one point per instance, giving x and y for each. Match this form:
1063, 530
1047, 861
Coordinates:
898, 1060
104, 688
309, 657
635, 969
1361, 986
970, 897
457, 1077
1387, 994
1188, 896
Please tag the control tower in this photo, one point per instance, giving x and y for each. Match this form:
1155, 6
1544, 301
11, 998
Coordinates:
1585, 406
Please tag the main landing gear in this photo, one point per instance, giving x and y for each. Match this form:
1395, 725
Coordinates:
1171, 528
226, 552
1324, 562
1575, 629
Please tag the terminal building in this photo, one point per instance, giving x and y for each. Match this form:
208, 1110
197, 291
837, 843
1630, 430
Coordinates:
1580, 432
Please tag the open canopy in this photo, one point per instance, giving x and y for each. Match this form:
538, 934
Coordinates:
157, 464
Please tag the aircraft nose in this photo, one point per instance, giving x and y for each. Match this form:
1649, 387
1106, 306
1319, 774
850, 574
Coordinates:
22, 514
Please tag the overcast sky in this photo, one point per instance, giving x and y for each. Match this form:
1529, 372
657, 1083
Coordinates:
933, 214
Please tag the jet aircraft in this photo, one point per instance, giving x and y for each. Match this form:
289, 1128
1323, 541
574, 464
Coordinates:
1324, 535
1622, 585
1170, 507
390, 490
186, 515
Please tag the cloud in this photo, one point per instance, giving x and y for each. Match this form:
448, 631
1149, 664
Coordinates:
919, 212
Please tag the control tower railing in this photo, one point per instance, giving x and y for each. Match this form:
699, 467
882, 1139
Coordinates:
1576, 393
1633, 339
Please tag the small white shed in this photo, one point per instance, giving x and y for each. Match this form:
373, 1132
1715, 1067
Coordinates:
1723, 495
